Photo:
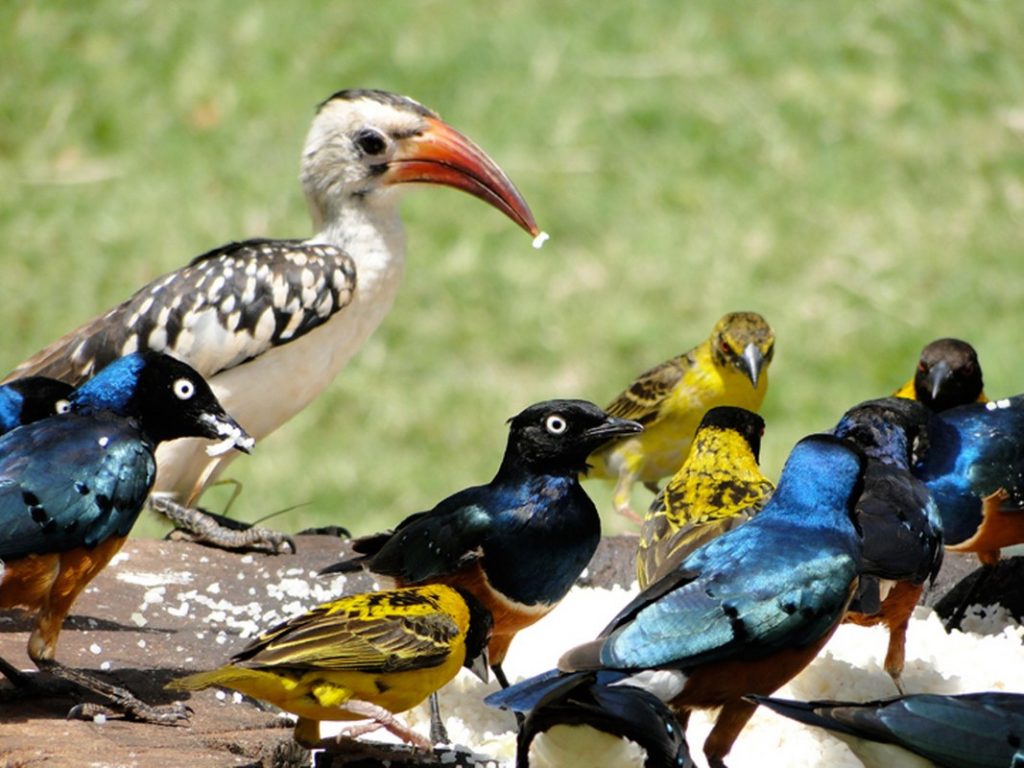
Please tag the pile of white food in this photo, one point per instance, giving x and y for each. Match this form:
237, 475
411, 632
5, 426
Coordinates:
988, 655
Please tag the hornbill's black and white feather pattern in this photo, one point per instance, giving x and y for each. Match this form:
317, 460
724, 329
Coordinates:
269, 323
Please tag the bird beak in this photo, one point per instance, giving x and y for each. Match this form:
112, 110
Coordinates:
442, 155
614, 427
751, 363
480, 667
936, 378
228, 433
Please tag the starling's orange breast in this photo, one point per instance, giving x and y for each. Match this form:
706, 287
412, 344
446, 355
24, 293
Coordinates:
47, 585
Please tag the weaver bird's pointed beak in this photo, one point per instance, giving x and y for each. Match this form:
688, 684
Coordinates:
227, 432
937, 377
751, 363
442, 155
614, 427
480, 667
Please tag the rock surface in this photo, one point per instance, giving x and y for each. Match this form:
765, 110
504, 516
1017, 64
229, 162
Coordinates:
165, 608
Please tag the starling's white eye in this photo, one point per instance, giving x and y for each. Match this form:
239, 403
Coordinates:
184, 389
62, 406
555, 424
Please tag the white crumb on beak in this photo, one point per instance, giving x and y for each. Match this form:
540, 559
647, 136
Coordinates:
540, 239
233, 436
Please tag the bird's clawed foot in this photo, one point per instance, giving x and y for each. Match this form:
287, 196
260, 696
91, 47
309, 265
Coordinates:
218, 531
116, 700
134, 709
382, 718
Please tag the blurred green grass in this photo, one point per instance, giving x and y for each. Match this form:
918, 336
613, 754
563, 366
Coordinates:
853, 171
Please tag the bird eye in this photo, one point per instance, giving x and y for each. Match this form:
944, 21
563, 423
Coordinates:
555, 424
62, 406
184, 389
370, 142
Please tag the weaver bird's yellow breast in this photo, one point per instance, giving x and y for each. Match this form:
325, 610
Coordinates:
718, 487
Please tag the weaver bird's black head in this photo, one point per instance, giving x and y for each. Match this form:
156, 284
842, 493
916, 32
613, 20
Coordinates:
746, 423
893, 430
29, 399
168, 399
556, 436
364, 142
948, 374
743, 341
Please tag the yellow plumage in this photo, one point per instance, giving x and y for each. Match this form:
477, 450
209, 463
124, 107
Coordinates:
362, 656
729, 368
718, 487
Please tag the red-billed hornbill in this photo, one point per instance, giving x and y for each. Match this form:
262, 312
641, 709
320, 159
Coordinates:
285, 316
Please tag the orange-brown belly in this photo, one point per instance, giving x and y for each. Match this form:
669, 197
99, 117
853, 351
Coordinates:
47, 585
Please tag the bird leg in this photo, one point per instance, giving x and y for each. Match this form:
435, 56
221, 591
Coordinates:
438, 733
730, 721
204, 528
19, 679
116, 699
985, 572
499, 675
621, 496
381, 718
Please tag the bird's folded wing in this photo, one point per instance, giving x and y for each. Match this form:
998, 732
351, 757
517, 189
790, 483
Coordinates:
642, 401
370, 635
719, 614
63, 487
226, 307
900, 525
446, 539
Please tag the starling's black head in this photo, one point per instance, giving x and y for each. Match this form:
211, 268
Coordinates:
557, 436
168, 399
746, 423
948, 374
890, 429
29, 399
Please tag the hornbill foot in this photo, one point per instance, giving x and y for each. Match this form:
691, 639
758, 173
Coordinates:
116, 700
217, 531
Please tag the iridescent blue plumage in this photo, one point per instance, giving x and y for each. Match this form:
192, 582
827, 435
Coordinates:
749, 609
974, 730
72, 485
898, 520
61, 488
593, 701
519, 542
29, 399
79, 478
975, 451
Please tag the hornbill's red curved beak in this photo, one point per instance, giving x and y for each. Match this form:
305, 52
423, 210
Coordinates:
442, 155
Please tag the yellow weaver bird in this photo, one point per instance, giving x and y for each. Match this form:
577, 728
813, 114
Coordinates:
948, 374
368, 655
729, 368
718, 487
